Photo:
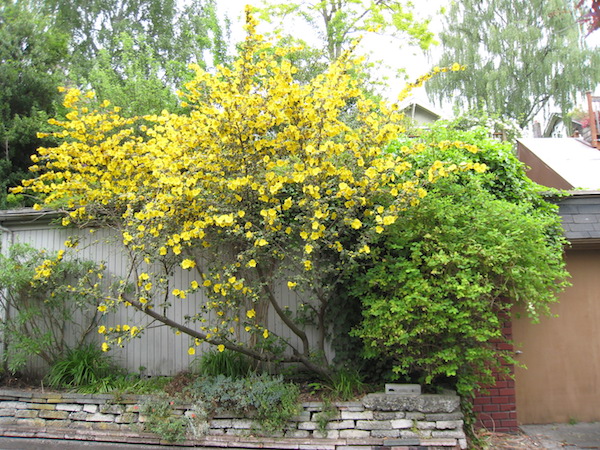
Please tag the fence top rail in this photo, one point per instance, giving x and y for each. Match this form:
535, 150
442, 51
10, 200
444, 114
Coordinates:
27, 215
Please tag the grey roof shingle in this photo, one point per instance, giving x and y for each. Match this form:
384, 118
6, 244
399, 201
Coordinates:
581, 215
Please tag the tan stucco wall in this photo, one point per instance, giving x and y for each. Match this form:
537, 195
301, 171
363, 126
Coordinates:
562, 354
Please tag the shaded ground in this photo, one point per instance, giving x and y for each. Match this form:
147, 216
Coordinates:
509, 441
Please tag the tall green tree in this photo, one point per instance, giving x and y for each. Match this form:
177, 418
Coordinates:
521, 55
338, 22
131, 52
33, 55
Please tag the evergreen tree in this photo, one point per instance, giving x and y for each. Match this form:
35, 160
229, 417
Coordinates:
521, 55
33, 54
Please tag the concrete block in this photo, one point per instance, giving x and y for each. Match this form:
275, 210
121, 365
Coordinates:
438, 442
388, 415
40, 406
58, 423
68, 407
308, 426
26, 413
12, 405
403, 389
424, 425
449, 424
220, 423
7, 412
33, 423
385, 433
81, 425
449, 434
46, 414
445, 416
356, 415
426, 403
126, 418
329, 434
79, 415
354, 434
340, 424
106, 426
242, 424
374, 424
111, 409
98, 417
297, 434
401, 423
90, 408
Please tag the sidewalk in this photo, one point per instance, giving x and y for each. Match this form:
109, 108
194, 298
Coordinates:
565, 436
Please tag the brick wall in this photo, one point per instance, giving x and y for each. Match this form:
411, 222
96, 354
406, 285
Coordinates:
496, 409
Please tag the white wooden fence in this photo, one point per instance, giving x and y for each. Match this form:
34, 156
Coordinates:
159, 350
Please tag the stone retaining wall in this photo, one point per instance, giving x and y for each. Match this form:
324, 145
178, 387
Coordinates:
378, 421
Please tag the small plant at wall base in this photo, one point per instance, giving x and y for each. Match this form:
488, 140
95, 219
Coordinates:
159, 419
268, 399
41, 293
82, 366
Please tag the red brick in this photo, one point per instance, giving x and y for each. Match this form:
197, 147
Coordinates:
501, 400
507, 407
509, 423
489, 408
507, 391
483, 400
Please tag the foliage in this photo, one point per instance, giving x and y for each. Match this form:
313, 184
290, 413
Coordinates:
132, 51
345, 384
268, 399
50, 302
259, 190
530, 54
121, 383
31, 55
442, 278
82, 366
339, 22
228, 363
159, 419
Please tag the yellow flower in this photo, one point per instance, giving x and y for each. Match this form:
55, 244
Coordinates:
266, 334
194, 284
251, 263
250, 314
291, 284
260, 242
221, 348
102, 308
191, 351
356, 224
187, 264
101, 329
105, 347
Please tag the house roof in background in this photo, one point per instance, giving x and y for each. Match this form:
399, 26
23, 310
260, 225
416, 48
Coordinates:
407, 106
574, 160
580, 213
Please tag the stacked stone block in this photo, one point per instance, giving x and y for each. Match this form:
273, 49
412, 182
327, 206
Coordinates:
378, 421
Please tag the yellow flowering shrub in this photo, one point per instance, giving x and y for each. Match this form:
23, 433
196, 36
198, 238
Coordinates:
262, 183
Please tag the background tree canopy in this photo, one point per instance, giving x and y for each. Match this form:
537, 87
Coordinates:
133, 52
520, 55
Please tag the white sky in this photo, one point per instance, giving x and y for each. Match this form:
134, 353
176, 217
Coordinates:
385, 49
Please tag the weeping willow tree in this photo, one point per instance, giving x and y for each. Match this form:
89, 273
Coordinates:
521, 55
